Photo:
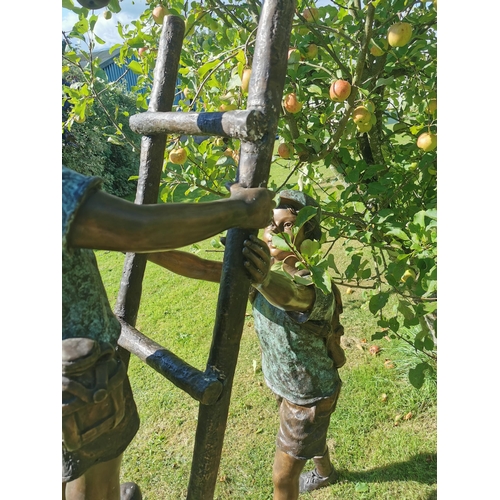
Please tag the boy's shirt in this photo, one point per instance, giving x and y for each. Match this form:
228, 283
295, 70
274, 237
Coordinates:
85, 305
295, 362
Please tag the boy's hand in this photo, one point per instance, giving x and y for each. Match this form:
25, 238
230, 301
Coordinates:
257, 260
259, 202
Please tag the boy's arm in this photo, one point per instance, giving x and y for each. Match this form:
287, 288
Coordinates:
188, 265
106, 222
279, 290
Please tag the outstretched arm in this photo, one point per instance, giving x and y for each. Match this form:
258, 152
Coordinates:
188, 265
278, 289
106, 222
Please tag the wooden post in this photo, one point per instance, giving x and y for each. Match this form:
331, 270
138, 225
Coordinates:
151, 163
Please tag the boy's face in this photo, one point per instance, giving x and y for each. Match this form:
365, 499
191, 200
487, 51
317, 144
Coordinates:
283, 222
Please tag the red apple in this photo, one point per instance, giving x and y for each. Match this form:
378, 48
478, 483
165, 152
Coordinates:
285, 150
340, 90
291, 103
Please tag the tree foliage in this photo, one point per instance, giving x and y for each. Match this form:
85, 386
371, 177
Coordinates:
375, 186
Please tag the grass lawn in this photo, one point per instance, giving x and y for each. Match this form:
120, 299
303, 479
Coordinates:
383, 437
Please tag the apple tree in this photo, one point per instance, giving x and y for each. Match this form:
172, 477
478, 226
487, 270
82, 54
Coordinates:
358, 128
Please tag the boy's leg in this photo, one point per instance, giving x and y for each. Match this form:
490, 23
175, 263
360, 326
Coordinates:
323, 465
286, 473
100, 482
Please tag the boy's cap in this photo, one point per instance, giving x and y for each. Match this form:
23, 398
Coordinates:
298, 200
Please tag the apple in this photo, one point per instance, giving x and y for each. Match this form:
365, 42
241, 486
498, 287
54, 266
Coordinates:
432, 106
291, 103
93, 4
219, 141
312, 51
293, 55
370, 106
285, 150
361, 116
158, 14
79, 118
107, 14
188, 93
364, 127
227, 107
340, 90
376, 51
427, 141
399, 34
245, 79
178, 156
409, 273
141, 51
310, 14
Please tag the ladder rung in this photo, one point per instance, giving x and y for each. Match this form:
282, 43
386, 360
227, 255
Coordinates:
205, 387
246, 125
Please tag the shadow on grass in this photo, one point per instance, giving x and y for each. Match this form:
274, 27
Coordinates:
421, 468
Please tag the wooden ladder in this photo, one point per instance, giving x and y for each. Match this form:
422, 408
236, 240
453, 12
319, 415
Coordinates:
256, 128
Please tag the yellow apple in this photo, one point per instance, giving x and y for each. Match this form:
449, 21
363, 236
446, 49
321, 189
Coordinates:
293, 55
178, 156
432, 106
188, 93
409, 273
399, 34
364, 127
361, 116
427, 141
245, 79
107, 14
227, 107
310, 14
340, 90
291, 103
312, 51
376, 51
158, 14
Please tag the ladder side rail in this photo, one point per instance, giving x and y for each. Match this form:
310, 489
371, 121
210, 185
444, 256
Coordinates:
265, 95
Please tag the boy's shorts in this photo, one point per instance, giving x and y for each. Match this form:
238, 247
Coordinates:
99, 414
106, 447
303, 429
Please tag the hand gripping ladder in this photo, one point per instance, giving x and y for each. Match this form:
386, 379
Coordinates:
256, 128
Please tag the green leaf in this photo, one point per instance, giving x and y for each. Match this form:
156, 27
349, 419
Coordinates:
114, 6
309, 247
315, 89
378, 301
135, 67
207, 67
321, 279
399, 233
304, 215
82, 26
279, 242
417, 375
